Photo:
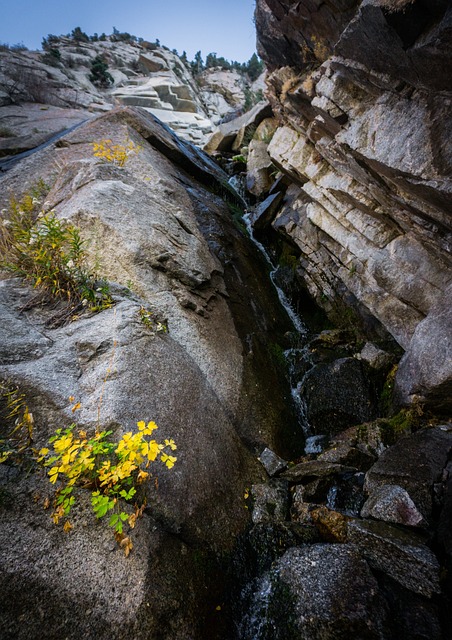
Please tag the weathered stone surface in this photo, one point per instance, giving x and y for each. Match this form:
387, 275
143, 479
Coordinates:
34, 124
222, 92
144, 74
425, 371
331, 525
258, 179
375, 357
18, 341
259, 166
321, 592
265, 211
153, 227
270, 502
401, 555
391, 503
224, 138
86, 564
365, 136
272, 463
345, 453
337, 395
314, 469
414, 463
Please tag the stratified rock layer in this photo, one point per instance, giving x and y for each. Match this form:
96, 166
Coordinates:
363, 94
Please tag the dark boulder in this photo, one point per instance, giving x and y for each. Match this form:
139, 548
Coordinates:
415, 463
338, 395
318, 592
400, 554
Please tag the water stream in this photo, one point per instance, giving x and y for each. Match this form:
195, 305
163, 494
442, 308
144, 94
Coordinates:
296, 319
291, 355
257, 621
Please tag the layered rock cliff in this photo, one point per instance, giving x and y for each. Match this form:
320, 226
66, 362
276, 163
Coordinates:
363, 94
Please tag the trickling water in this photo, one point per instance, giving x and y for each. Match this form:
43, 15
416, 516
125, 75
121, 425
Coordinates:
291, 355
256, 624
297, 321
238, 182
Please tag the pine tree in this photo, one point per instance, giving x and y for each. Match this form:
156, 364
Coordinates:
99, 74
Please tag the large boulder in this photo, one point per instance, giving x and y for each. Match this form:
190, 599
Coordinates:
156, 229
318, 592
337, 395
425, 371
415, 463
400, 554
230, 136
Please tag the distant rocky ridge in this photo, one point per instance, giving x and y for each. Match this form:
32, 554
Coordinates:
144, 74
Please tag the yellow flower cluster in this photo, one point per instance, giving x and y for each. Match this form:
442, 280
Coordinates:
113, 470
115, 153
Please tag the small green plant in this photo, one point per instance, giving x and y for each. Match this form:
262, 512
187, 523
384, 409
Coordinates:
239, 158
114, 471
115, 153
150, 322
6, 133
17, 419
386, 396
249, 134
50, 253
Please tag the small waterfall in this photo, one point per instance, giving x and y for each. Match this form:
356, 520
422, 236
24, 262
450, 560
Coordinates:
296, 319
256, 624
238, 183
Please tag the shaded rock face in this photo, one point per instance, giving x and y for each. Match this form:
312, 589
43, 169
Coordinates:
414, 463
424, 371
157, 229
364, 108
301, 598
332, 407
376, 573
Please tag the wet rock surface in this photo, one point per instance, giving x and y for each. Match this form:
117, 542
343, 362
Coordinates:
414, 463
401, 555
303, 600
383, 531
392, 504
333, 406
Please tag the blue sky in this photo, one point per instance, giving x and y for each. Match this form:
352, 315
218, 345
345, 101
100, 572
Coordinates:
222, 26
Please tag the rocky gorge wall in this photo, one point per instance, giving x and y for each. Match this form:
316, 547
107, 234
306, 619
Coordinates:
351, 539
362, 94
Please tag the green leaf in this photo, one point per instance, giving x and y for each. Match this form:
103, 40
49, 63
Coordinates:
113, 520
128, 495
